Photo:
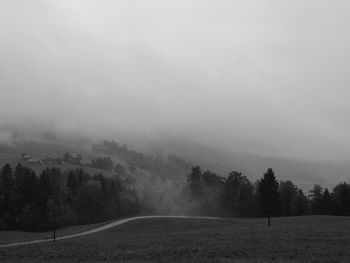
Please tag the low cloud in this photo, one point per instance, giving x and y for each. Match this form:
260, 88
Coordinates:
262, 78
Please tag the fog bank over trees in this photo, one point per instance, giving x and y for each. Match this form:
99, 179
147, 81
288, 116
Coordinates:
304, 173
240, 76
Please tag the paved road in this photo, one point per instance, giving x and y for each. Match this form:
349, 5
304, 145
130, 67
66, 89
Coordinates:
99, 229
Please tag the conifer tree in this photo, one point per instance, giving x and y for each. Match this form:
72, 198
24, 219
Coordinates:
268, 194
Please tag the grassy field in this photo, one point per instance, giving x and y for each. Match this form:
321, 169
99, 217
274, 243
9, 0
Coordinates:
18, 236
298, 239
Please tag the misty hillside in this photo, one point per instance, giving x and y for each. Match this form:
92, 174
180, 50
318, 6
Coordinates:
303, 173
195, 180
173, 159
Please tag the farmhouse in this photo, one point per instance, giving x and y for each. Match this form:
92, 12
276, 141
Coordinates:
34, 161
25, 156
49, 160
74, 158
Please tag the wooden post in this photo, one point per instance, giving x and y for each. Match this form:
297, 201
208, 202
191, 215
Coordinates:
54, 220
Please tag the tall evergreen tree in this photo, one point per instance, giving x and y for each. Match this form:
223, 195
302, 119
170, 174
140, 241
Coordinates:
316, 202
238, 194
288, 192
341, 197
7, 197
246, 198
195, 179
72, 182
300, 204
25, 180
232, 192
327, 202
268, 194
6, 179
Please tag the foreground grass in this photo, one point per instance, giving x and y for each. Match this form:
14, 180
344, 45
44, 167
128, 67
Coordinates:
296, 239
19, 236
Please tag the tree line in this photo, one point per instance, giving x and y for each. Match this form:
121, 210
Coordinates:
28, 201
237, 196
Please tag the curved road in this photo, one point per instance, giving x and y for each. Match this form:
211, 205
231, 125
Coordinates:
99, 229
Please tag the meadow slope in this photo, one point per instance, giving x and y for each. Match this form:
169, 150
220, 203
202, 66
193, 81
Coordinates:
294, 239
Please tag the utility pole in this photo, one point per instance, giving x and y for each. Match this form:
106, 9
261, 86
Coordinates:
54, 220
52, 216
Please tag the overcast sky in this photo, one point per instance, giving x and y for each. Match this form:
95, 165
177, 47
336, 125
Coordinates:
267, 77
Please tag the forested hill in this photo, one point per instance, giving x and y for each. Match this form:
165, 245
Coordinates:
105, 182
111, 180
107, 157
157, 180
169, 166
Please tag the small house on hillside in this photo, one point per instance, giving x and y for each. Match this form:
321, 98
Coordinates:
34, 161
25, 156
52, 160
74, 158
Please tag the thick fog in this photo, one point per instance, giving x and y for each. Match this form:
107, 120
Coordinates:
264, 77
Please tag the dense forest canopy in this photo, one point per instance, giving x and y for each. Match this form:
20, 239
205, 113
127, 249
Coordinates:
28, 200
